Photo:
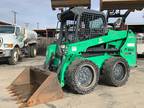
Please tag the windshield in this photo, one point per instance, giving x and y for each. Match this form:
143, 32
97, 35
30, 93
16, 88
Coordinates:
91, 26
7, 29
68, 30
79, 28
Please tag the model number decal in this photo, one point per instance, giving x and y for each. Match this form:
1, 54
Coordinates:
130, 44
100, 40
74, 48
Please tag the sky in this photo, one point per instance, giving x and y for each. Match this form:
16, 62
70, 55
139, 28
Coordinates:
39, 11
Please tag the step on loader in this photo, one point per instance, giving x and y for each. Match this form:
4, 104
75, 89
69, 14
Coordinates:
85, 52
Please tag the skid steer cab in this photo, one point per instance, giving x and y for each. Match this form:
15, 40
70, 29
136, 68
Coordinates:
85, 52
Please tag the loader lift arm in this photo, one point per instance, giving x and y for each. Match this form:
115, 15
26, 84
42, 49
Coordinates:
69, 3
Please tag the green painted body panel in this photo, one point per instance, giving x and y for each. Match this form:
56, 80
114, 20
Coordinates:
99, 60
110, 37
51, 49
123, 40
129, 50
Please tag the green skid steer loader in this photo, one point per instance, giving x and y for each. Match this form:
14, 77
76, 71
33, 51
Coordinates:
85, 52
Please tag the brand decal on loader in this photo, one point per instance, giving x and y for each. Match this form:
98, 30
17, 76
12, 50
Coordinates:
101, 40
74, 48
130, 44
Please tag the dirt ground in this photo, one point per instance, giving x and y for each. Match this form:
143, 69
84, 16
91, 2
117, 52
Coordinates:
129, 96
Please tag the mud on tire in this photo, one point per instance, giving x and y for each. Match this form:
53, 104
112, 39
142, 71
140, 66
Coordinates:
33, 51
115, 71
82, 76
14, 57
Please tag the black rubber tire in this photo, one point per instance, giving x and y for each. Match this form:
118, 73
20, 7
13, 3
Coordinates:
20, 56
48, 66
14, 57
109, 71
33, 51
72, 76
28, 51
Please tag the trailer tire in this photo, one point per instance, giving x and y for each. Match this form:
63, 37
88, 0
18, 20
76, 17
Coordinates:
33, 51
82, 76
115, 71
14, 56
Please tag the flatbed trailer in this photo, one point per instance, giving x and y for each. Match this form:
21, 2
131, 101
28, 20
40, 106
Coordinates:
114, 8
121, 4
70, 3
104, 4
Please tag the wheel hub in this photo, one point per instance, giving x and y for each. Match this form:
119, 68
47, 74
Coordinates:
15, 56
85, 76
119, 72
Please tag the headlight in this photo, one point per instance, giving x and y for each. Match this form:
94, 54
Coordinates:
8, 45
1, 41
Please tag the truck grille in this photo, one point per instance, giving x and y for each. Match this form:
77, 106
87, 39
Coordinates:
1, 52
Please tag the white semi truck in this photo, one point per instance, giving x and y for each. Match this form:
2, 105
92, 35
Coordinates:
16, 42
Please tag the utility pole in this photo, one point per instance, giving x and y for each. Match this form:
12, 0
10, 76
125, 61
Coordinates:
37, 25
14, 17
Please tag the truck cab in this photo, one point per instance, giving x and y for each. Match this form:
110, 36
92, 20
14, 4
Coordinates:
10, 37
12, 42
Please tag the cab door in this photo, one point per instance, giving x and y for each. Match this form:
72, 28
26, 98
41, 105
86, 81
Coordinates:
19, 37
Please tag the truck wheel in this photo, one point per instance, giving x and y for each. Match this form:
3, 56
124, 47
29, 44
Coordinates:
28, 51
33, 51
116, 71
14, 57
82, 77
